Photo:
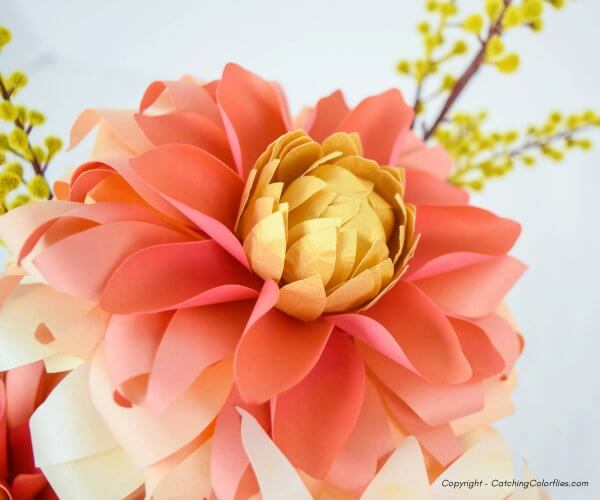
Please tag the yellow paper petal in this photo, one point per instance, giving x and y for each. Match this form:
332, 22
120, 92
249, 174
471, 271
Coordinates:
339, 180
298, 161
304, 299
301, 190
311, 226
352, 293
312, 254
265, 246
345, 257
256, 211
342, 142
276, 477
311, 208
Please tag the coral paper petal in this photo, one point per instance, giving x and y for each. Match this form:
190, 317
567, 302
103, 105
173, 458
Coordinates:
327, 116
251, 112
381, 121
314, 419
423, 332
190, 345
423, 187
165, 276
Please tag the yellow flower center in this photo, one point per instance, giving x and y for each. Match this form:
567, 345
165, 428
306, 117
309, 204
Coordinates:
325, 223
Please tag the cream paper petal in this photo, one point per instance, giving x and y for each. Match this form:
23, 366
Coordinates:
67, 426
402, 477
148, 437
107, 475
488, 459
28, 307
60, 362
188, 479
531, 493
276, 477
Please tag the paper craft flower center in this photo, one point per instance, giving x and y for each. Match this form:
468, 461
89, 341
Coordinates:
325, 223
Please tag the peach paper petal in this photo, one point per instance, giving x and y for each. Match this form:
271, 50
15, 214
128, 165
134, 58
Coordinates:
130, 344
356, 463
184, 96
18, 224
474, 290
434, 403
193, 177
423, 332
187, 269
120, 122
313, 420
252, 114
142, 433
448, 229
329, 112
504, 338
483, 357
439, 440
83, 263
190, 345
381, 121
229, 461
416, 153
425, 188
276, 353
403, 475
186, 128
276, 477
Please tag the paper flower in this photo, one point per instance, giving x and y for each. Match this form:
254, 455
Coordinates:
324, 277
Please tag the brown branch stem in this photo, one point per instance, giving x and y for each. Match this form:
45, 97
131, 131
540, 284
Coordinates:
469, 73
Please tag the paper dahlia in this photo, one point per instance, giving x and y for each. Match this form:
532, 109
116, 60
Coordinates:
322, 276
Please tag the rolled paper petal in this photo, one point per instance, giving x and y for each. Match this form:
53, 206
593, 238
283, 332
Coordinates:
313, 420
483, 357
277, 478
126, 138
329, 112
229, 461
374, 334
439, 440
423, 332
425, 188
276, 353
17, 225
28, 307
489, 459
83, 263
190, 345
22, 387
414, 153
67, 426
186, 128
86, 477
190, 478
182, 96
497, 404
434, 403
504, 338
356, 463
189, 268
473, 290
193, 177
140, 432
252, 114
381, 121
130, 344
448, 229
403, 475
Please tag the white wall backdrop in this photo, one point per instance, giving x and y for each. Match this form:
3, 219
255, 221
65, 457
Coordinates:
102, 53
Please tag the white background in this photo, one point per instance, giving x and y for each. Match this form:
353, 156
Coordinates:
103, 54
